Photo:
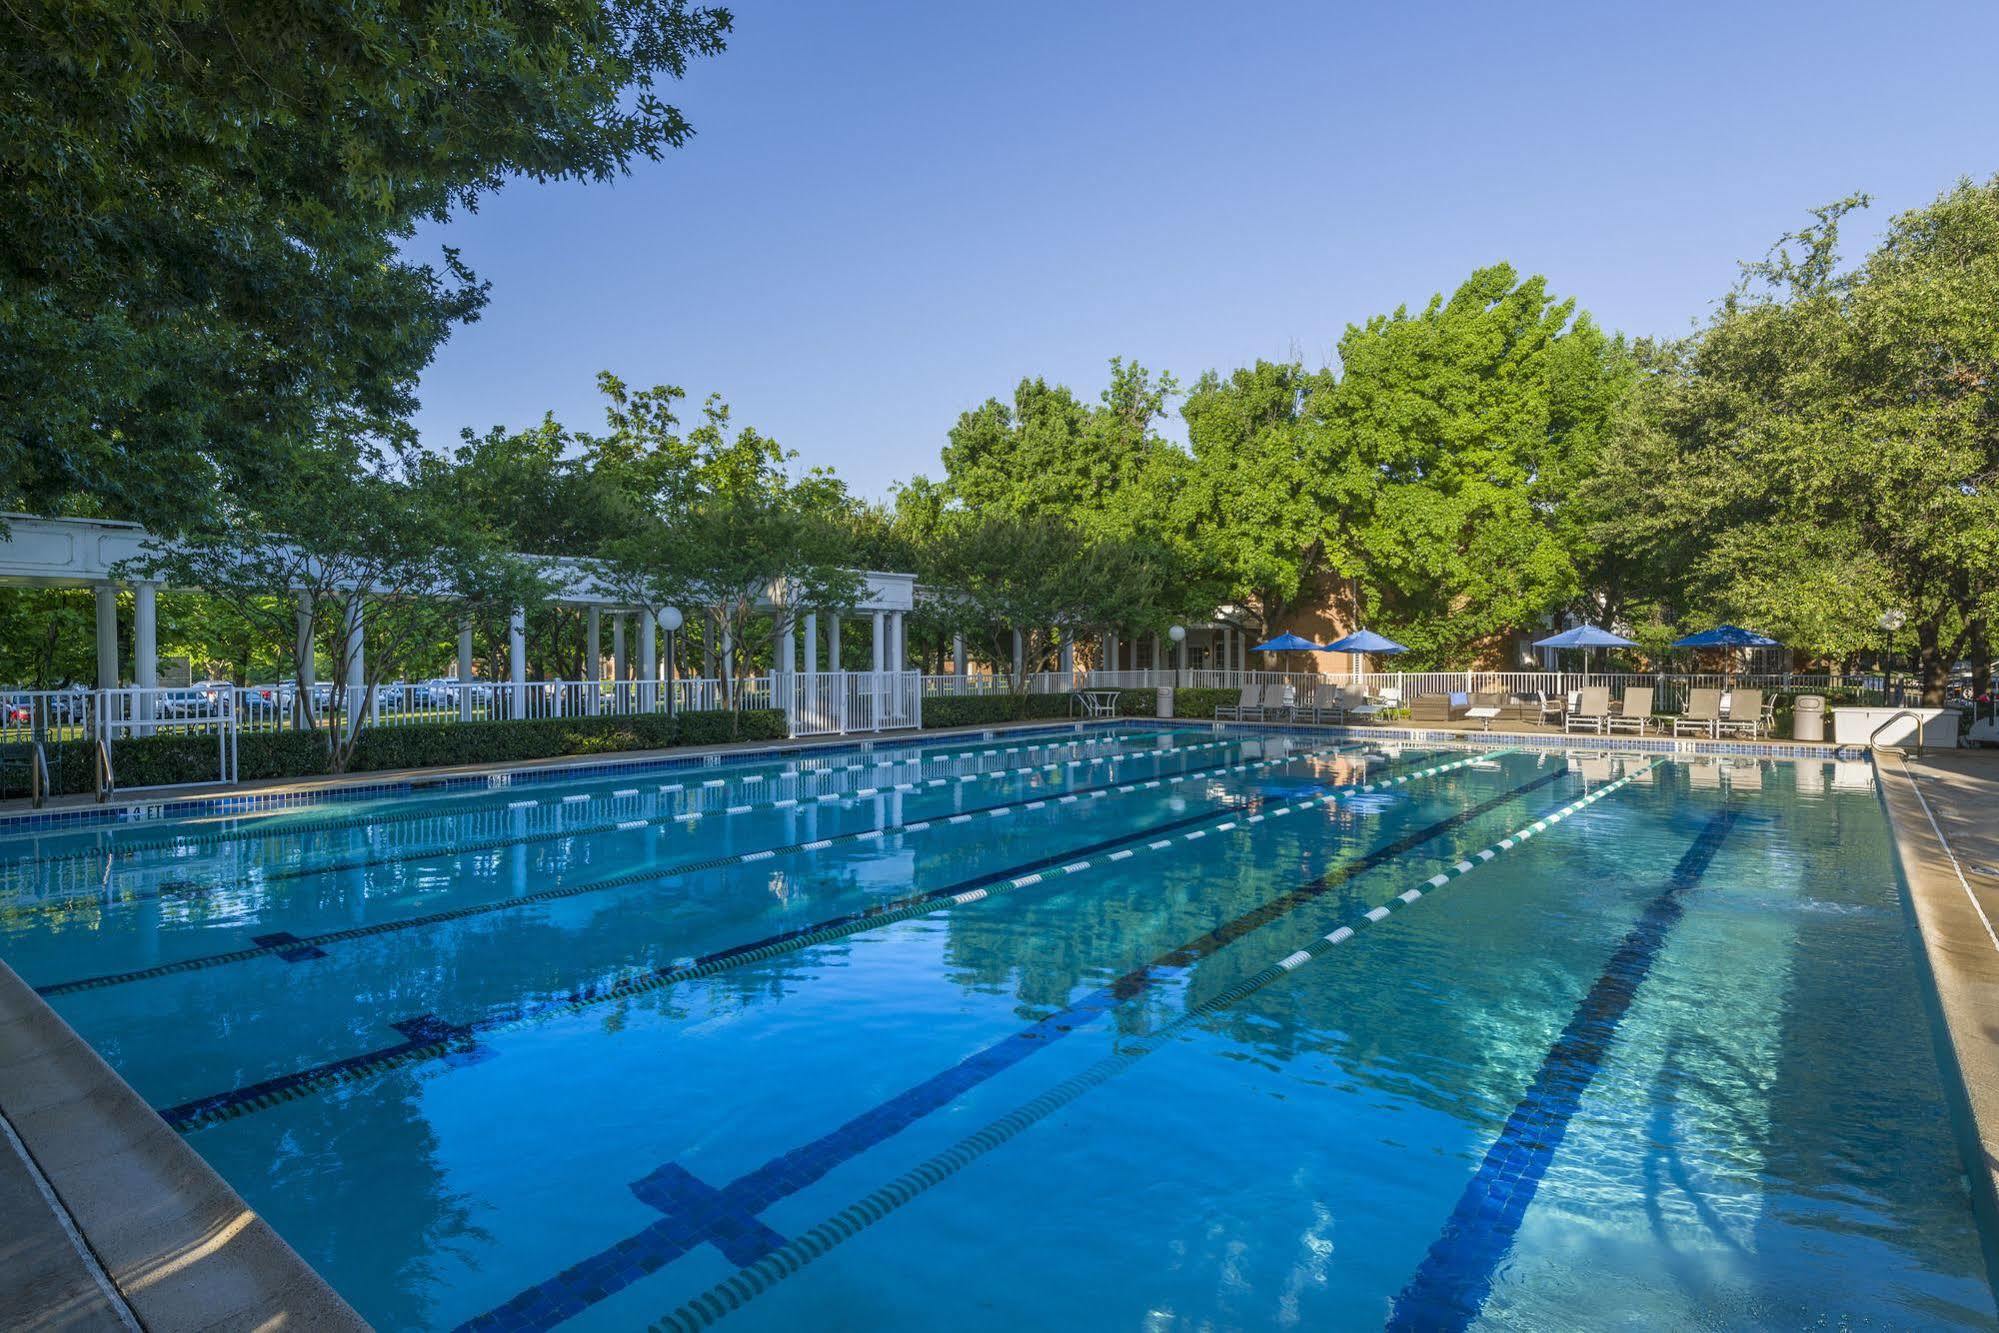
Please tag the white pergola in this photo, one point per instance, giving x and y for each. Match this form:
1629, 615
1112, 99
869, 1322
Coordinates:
85, 553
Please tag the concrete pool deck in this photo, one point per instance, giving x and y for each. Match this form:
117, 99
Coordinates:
109, 1220
1944, 807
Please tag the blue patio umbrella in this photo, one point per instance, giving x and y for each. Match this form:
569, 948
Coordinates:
1287, 643
1364, 641
1727, 636
1585, 637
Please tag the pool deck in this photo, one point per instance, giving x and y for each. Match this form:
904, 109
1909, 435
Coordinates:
109, 1220
1943, 806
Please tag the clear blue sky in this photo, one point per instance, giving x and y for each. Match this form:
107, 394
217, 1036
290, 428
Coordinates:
892, 212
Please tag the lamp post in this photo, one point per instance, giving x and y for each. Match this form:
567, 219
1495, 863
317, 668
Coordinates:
670, 620
1891, 620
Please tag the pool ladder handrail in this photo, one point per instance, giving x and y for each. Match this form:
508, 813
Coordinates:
38, 775
106, 781
1892, 719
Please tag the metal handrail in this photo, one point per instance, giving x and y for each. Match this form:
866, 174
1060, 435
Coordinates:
38, 776
1892, 719
106, 782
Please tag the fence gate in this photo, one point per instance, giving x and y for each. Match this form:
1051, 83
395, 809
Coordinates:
829, 703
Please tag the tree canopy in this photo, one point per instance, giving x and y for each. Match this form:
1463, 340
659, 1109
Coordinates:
203, 263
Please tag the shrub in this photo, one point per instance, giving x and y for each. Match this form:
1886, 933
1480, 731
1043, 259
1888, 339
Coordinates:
972, 710
149, 761
711, 727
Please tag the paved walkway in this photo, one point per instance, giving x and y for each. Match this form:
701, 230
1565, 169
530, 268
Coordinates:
109, 1220
1945, 809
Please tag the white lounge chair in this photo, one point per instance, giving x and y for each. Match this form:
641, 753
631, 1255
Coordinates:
1703, 714
1634, 713
1592, 711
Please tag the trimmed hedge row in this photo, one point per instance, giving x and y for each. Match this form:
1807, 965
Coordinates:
972, 710
145, 761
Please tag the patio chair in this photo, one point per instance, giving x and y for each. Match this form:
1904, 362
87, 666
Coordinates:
1277, 702
1328, 703
1702, 715
1745, 715
1592, 711
1545, 710
1634, 712
1248, 706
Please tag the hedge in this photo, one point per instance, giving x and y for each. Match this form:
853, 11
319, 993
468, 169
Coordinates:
972, 710
146, 761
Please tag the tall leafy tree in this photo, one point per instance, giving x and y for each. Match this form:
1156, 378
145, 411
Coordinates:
1828, 447
1474, 417
204, 210
342, 553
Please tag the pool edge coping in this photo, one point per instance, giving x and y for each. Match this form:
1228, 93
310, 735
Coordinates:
179, 1248
1961, 968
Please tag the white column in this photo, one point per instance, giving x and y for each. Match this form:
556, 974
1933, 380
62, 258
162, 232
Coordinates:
107, 636
618, 664
593, 656
958, 653
145, 645
1068, 654
464, 670
357, 660
308, 666
833, 644
811, 643
648, 659
877, 648
517, 659
785, 654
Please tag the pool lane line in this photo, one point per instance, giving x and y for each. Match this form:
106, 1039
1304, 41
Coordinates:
722, 1215
283, 944
1451, 1286
218, 1107
65, 902
490, 802
753, 1279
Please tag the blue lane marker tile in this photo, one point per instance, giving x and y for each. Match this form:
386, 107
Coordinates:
1451, 1286
297, 953
607, 1271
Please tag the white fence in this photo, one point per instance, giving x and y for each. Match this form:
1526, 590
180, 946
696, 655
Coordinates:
1670, 690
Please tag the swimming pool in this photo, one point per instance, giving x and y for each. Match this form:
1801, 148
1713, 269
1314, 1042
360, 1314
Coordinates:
1161, 1027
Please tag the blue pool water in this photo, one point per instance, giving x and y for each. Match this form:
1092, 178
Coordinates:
1127, 1028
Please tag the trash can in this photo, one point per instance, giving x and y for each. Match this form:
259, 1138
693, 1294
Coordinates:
1165, 701
1808, 718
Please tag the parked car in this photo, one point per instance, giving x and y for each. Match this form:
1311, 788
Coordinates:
195, 703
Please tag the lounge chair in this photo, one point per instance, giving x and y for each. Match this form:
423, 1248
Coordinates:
1439, 707
1277, 702
1634, 712
1702, 715
1248, 706
1745, 715
1592, 711
1329, 703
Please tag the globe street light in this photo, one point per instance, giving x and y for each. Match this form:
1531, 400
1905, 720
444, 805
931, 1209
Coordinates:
671, 620
1891, 620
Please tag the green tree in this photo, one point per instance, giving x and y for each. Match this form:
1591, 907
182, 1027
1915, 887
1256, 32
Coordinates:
341, 551
1473, 420
1828, 446
206, 209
